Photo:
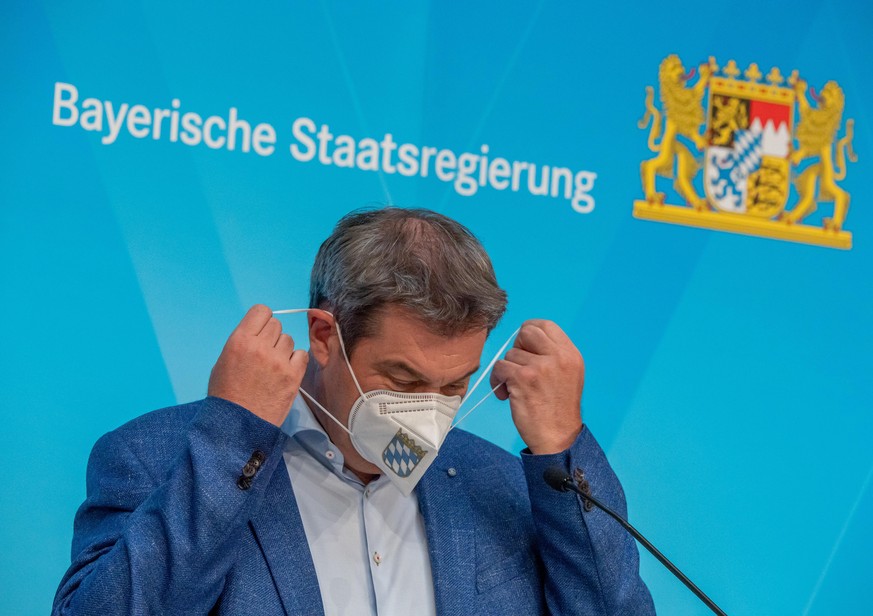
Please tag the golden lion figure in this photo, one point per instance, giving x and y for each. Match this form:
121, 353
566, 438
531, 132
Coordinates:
683, 112
816, 133
729, 116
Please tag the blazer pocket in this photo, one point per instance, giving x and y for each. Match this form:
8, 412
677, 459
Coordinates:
504, 570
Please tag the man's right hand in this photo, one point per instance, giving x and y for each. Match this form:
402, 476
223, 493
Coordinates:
259, 368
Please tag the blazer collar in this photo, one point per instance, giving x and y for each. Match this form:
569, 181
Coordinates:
279, 530
450, 529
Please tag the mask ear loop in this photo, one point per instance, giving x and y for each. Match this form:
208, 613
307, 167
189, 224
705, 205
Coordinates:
481, 378
326, 412
346, 357
490, 365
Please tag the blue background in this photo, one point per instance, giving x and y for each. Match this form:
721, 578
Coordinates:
727, 376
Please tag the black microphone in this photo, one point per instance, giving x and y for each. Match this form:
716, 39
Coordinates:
558, 479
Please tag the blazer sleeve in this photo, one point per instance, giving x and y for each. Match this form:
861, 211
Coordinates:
149, 544
590, 561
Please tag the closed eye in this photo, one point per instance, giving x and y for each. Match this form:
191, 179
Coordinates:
456, 389
402, 384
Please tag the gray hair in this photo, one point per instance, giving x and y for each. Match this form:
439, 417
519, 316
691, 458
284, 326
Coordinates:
415, 259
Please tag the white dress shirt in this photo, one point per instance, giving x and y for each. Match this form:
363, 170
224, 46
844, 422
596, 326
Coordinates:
368, 542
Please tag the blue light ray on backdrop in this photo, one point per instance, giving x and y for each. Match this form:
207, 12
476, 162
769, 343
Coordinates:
726, 375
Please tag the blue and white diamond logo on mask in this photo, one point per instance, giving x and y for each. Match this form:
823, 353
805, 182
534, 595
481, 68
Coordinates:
402, 455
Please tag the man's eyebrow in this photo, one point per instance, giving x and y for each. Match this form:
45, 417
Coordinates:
399, 365
470, 373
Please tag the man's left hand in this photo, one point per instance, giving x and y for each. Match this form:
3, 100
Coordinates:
543, 374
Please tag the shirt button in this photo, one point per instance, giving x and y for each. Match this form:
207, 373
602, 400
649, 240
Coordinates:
367, 493
329, 454
451, 472
377, 558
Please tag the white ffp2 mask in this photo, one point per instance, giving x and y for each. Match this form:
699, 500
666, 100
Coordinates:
399, 432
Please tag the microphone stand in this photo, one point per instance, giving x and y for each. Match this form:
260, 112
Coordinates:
561, 481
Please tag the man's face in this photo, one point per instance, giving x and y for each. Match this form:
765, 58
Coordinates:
403, 355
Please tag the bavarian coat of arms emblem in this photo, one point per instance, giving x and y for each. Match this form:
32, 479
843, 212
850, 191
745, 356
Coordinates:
748, 156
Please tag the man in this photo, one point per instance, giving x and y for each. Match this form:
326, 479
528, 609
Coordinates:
236, 505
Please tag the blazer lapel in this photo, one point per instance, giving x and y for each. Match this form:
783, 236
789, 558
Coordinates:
451, 541
279, 531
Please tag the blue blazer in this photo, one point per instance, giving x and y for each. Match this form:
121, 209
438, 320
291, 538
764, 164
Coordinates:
165, 529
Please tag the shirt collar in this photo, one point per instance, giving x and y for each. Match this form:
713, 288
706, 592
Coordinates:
306, 433
301, 420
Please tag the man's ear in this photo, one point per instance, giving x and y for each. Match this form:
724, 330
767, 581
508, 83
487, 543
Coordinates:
321, 336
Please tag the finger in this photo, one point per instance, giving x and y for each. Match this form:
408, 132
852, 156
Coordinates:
271, 331
255, 320
521, 357
299, 360
500, 390
500, 374
552, 330
285, 344
532, 338
502, 393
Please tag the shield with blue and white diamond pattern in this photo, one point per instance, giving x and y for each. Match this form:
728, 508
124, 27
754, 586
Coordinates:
747, 158
402, 455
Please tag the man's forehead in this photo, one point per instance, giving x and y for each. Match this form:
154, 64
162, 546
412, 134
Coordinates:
401, 341
392, 320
